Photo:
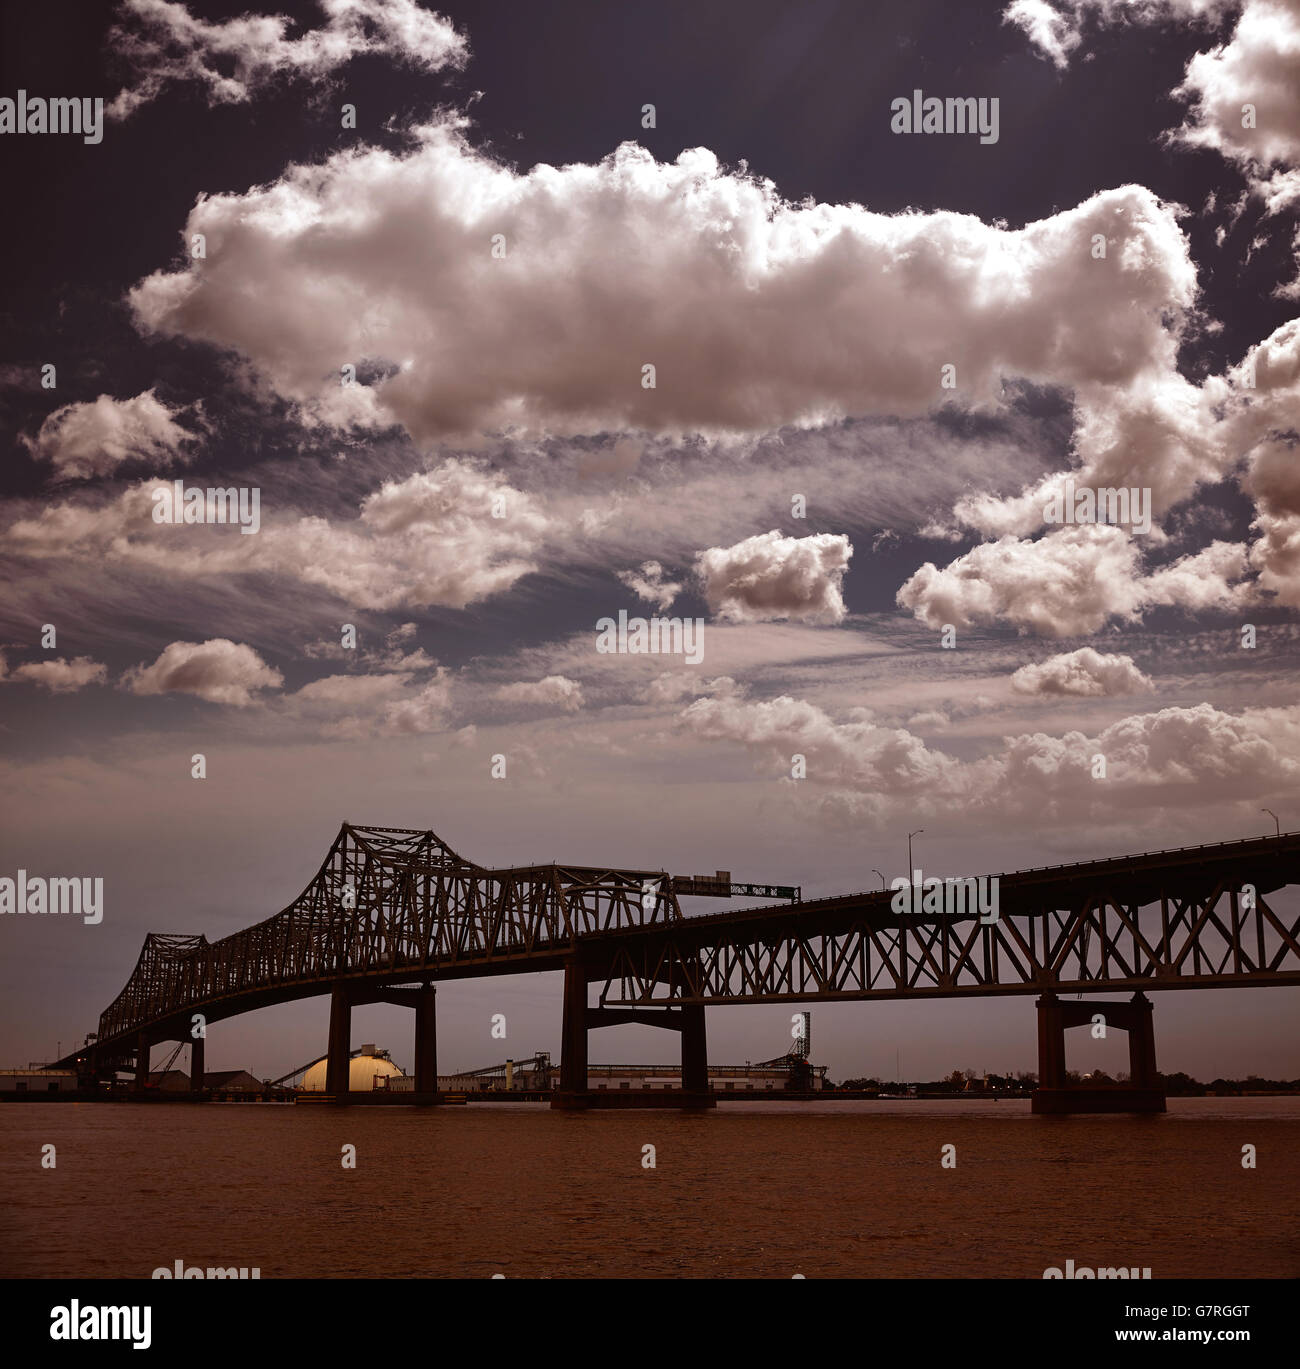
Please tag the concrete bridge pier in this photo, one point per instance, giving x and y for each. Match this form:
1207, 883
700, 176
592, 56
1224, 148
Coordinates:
426, 1040
338, 1060
695, 1051
196, 1064
573, 1092
688, 1019
142, 1047
1144, 1091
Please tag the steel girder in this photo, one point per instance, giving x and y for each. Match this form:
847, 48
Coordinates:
1201, 926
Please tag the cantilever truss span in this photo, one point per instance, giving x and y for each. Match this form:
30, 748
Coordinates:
387, 902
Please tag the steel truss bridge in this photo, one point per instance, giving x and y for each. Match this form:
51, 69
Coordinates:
393, 911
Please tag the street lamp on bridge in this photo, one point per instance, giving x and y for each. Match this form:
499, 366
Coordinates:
910, 835
1273, 815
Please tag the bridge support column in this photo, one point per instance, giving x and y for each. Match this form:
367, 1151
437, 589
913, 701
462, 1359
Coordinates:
1051, 1043
338, 1065
1142, 1045
142, 1062
572, 1093
196, 1064
695, 1057
1054, 1094
426, 1040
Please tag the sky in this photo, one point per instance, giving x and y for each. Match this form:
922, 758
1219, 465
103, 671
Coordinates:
506, 320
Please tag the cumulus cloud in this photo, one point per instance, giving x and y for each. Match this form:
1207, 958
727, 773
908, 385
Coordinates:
855, 752
233, 59
553, 692
649, 583
89, 439
771, 577
59, 676
1259, 66
934, 719
392, 703
1160, 435
1086, 672
1267, 420
218, 670
431, 538
755, 312
671, 686
857, 770
1071, 583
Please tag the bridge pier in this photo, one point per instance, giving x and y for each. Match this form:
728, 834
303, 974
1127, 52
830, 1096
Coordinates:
573, 1092
695, 1051
1144, 1091
426, 1040
688, 1019
338, 1061
142, 1046
196, 1064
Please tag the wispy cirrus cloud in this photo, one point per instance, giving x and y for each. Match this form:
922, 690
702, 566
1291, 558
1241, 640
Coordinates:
232, 60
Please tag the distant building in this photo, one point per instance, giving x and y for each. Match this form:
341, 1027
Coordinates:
169, 1081
233, 1081
37, 1080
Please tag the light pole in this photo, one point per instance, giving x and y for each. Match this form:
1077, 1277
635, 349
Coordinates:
883, 885
1273, 815
910, 835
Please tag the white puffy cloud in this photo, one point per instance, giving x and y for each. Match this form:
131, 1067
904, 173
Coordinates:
552, 692
754, 311
1070, 583
1085, 672
856, 752
671, 686
94, 438
218, 670
235, 58
1266, 420
391, 703
857, 770
649, 583
1259, 66
935, 719
1159, 435
59, 676
770, 576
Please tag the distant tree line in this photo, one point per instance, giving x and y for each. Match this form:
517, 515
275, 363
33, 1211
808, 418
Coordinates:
967, 1081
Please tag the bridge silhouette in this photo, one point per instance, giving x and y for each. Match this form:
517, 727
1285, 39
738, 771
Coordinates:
392, 911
